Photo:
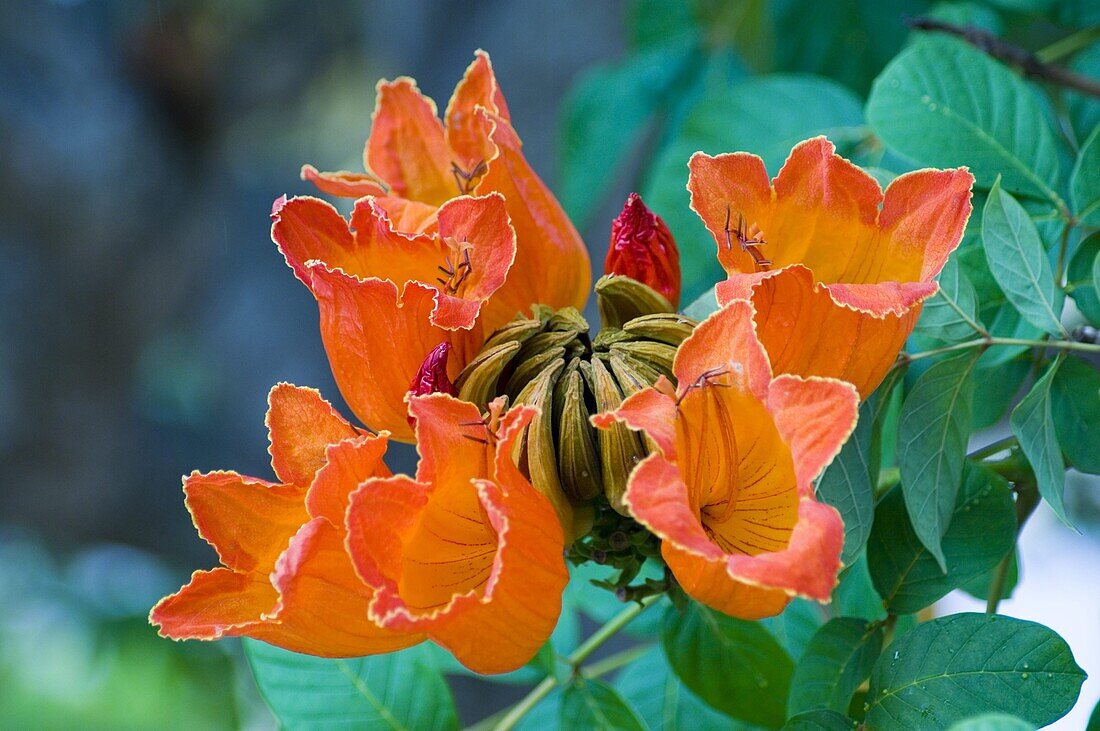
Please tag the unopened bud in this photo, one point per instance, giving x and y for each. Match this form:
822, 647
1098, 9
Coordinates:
643, 249
432, 376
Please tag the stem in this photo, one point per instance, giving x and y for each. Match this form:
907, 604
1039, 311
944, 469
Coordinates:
578, 656
987, 342
991, 449
1069, 45
1027, 499
613, 663
1063, 246
966, 318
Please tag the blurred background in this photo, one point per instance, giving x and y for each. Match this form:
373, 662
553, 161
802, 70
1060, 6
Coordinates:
145, 313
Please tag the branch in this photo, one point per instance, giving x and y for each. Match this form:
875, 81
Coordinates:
1021, 58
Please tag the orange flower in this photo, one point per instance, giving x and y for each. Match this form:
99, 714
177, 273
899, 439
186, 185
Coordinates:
730, 488
836, 270
286, 576
419, 164
468, 552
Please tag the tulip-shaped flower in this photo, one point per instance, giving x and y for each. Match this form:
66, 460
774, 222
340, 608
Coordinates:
729, 490
286, 576
835, 269
468, 552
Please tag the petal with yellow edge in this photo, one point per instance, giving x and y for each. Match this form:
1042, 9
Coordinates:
343, 184
732, 496
468, 552
836, 269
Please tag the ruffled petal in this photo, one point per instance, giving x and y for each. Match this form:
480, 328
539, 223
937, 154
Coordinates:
343, 184
214, 604
465, 134
728, 191
248, 521
407, 148
724, 345
807, 333
815, 417
300, 427
650, 410
348, 464
409, 217
924, 216
306, 229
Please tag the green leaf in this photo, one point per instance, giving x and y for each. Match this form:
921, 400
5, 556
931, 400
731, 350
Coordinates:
1084, 181
662, 701
593, 704
732, 118
982, 531
992, 722
1000, 317
819, 720
1018, 261
855, 595
951, 668
932, 435
371, 692
1032, 422
943, 104
606, 116
1084, 112
836, 662
1075, 405
734, 665
951, 315
795, 625
1094, 719
979, 586
1000, 384
1084, 277
847, 485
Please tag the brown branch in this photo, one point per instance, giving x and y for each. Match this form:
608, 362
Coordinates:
1021, 58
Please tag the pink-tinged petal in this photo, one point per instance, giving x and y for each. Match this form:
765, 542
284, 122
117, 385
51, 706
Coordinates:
724, 347
885, 298
924, 216
300, 427
343, 184
466, 136
247, 521
658, 498
348, 464
808, 566
214, 604
407, 148
408, 217
815, 417
649, 410
727, 191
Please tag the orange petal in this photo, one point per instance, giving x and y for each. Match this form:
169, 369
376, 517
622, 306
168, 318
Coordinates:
649, 410
347, 464
924, 214
807, 333
406, 146
658, 497
407, 216
376, 341
465, 134
306, 228
382, 513
724, 345
300, 426
727, 190
323, 605
815, 417
214, 604
343, 183
552, 266
248, 522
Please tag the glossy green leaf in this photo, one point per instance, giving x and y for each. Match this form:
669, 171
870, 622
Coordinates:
1019, 262
847, 484
370, 692
944, 103
951, 316
954, 667
593, 704
819, 720
1084, 277
1033, 424
795, 625
733, 665
999, 386
982, 531
992, 722
836, 662
932, 435
606, 115
1001, 319
1075, 405
661, 700
1084, 182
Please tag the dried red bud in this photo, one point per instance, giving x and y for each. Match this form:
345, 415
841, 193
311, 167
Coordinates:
642, 248
432, 376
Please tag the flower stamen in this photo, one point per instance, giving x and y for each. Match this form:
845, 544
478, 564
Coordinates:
456, 275
706, 378
467, 180
747, 244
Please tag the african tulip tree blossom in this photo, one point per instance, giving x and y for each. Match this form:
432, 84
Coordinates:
417, 162
286, 577
729, 490
836, 270
468, 552
643, 249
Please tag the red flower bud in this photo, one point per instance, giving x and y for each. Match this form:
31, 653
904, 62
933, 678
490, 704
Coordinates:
432, 376
642, 248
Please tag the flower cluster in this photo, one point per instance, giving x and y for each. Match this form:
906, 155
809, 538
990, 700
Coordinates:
448, 310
